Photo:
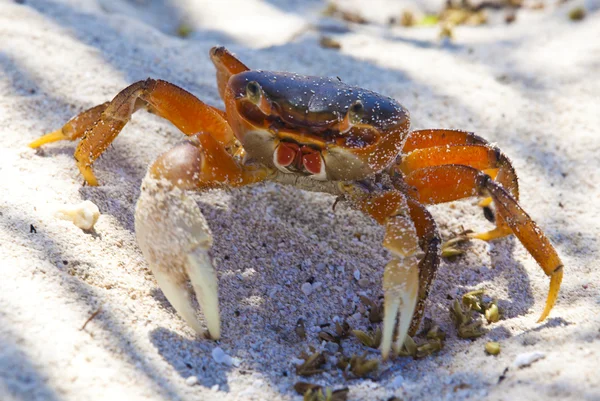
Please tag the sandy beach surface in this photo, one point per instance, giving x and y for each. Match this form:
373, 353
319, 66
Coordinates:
531, 87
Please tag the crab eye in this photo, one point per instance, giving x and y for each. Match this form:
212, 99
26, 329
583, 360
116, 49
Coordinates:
253, 92
356, 112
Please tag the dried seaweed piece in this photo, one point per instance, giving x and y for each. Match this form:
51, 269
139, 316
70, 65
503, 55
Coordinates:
332, 10
371, 339
492, 348
360, 366
408, 18
577, 14
329, 43
435, 333
449, 248
429, 348
409, 348
474, 300
342, 330
326, 336
492, 313
463, 319
459, 316
302, 387
317, 393
375, 310
471, 330
343, 362
312, 364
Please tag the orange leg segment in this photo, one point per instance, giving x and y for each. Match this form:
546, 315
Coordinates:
444, 143
101, 124
482, 157
429, 138
451, 182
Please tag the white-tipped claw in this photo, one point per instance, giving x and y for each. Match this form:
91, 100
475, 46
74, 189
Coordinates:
175, 239
204, 279
400, 287
180, 298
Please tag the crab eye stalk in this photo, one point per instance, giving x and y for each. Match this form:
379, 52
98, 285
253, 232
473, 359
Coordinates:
353, 117
356, 112
253, 92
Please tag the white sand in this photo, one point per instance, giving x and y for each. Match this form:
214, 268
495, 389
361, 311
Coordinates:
532, 87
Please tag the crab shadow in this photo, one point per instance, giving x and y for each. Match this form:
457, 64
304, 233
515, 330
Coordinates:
72, 268
20, 377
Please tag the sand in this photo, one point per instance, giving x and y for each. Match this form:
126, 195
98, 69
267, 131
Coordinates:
531, 87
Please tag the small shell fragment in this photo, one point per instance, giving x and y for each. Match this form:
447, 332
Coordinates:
528, 358
84, 215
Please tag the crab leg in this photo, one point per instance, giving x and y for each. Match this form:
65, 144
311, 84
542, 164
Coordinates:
451, 182
434, 147
429, 138
429, 241
74, 128
171, 230
226, 65
401, 274
183, 109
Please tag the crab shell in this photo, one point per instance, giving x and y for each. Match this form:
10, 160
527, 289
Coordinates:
314, 126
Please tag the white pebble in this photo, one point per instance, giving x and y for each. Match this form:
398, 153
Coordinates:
84, 215
306, 288
191, 381
221, 357
357, 274
397, 381
528, 358
215, 388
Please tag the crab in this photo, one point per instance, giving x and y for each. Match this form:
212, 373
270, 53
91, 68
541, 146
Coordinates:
317, 134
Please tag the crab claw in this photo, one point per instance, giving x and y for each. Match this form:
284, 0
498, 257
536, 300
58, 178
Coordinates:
400, 281
400, 287
175, 240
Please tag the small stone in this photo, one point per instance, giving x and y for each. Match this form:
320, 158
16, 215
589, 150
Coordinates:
221, 357
357, 274
331, 347
307, 288
397, 381
527, 358
191, 381
363, 282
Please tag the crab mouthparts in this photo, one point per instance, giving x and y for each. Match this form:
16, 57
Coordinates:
289, 157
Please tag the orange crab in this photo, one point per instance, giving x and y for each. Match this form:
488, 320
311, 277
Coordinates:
317, 134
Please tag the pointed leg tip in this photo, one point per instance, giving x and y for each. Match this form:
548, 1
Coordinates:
53, 136
555, 281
